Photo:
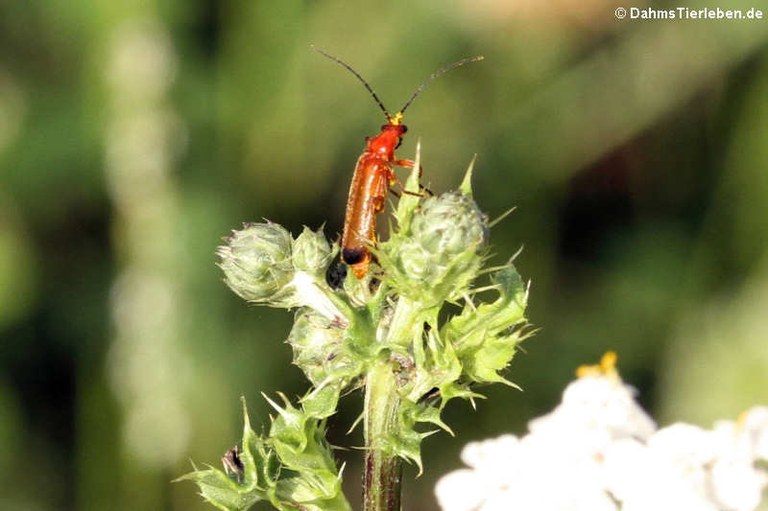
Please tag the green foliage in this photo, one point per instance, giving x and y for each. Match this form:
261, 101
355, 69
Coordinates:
483, 336
292, 467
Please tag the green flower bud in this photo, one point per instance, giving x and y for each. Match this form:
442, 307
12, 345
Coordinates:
442, 253
449, 225
261, 266
319, 349
257, 262
311, 252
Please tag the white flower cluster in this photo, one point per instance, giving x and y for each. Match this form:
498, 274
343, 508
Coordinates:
599, 451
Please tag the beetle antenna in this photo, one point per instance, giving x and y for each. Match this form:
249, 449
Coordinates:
437, 73
357, 75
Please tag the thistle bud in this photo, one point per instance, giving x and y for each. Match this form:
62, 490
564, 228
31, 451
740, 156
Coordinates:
320, 350
442, 252
257, 261
311, 252
449, 225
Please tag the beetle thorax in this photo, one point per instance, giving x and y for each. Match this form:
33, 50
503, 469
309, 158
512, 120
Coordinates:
385, 143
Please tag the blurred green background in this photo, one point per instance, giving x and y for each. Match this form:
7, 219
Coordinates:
134, 135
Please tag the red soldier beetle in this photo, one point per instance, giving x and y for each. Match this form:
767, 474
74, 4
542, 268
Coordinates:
374, 175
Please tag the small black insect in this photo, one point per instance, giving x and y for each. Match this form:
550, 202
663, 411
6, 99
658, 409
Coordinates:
336, 274
233, 465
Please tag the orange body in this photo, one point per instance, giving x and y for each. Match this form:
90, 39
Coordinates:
368, 193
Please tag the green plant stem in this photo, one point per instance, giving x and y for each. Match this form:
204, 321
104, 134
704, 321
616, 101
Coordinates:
383, 469
405, 323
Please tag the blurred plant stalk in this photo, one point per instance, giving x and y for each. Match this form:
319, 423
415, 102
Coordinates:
146, 297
